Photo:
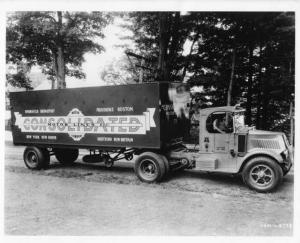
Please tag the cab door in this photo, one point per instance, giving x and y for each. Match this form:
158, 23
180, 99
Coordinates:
223, 139
221, 142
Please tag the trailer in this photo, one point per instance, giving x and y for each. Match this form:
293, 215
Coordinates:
147, 121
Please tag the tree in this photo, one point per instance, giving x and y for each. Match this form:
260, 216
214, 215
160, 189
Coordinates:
159, 37
56, 41
17, 76
233, 56
117, 72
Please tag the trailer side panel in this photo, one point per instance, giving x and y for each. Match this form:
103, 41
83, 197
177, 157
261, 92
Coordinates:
108, 116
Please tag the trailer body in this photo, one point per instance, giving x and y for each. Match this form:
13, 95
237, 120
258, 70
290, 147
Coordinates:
108, 116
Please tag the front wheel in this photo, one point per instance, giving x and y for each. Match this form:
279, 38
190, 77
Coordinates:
262, 174
36, 158
150, 167
66, 156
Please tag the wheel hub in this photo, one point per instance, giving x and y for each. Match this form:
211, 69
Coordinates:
262, 175
32, 158
148, 168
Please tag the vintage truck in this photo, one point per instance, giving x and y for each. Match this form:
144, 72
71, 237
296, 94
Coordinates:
146, 122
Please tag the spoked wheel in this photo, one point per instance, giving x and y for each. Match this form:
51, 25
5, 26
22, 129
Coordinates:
262, 174
150, 167
36, 158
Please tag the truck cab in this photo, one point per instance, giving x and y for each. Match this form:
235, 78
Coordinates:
227, 145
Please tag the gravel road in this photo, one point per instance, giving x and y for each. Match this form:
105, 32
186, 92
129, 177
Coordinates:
92, 200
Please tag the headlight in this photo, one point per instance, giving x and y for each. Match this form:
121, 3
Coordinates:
285, 154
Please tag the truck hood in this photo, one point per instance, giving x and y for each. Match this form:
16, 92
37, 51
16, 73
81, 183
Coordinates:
263, 132
266, 140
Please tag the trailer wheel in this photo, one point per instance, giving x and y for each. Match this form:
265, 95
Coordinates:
262, 174
66, 156
36, 158
150, 167
166, 163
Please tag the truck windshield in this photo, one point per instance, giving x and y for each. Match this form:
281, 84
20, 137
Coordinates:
239, 120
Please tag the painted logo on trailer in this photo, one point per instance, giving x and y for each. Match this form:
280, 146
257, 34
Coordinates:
77, 125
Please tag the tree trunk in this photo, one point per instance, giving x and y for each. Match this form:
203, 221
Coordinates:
229, 93
291, 124
265, 101
174, 42
54, 56
260, 92
163, 46
141, 73
52, 84
291, 109
60, 74
250, 88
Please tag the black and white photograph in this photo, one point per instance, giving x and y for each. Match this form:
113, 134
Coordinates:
128, 121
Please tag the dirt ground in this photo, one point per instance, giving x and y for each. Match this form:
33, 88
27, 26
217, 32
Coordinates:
92, 200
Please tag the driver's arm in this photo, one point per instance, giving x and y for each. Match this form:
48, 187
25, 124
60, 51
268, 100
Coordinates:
216, 127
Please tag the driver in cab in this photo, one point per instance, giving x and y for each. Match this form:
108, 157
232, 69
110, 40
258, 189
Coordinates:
223, 126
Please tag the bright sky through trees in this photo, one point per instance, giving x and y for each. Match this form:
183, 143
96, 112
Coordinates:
95, 63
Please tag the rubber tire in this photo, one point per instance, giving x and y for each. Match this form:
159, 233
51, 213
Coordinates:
166, 163
66, 156
41, 154
277, 170
159, 162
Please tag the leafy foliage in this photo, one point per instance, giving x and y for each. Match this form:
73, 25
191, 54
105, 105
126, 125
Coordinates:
18, 77
200, 49
34, 37
19, 80
116, 72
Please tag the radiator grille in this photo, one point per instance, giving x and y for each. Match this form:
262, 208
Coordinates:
265, 143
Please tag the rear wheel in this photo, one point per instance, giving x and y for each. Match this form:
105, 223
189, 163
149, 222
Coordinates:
66, 156
262, 174
36, 158
150, 167
166, 163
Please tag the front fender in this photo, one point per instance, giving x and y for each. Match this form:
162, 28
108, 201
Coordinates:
259, 152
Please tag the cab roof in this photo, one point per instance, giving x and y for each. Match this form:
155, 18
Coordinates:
207, 111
